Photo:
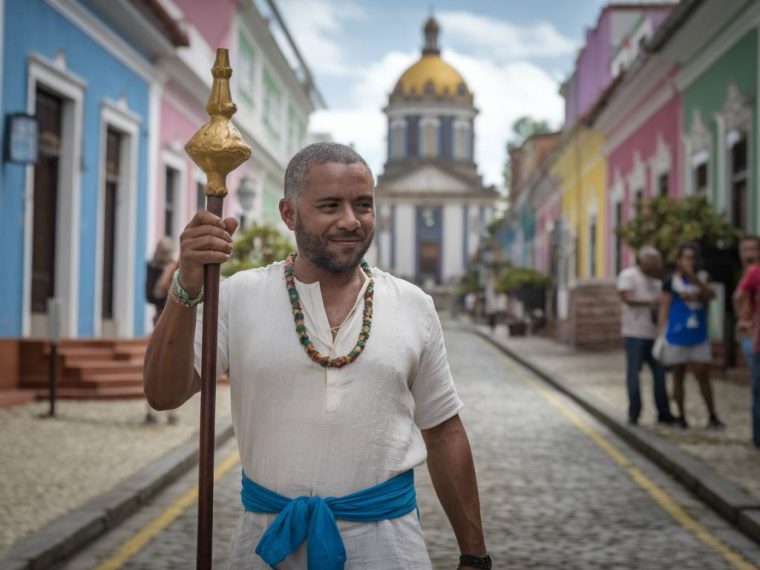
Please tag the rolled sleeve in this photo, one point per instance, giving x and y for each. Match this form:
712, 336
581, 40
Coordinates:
222, 345
435, 396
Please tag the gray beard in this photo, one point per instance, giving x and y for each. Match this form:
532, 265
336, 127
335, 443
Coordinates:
315, 250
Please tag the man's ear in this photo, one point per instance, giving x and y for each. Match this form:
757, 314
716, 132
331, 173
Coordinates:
288, 213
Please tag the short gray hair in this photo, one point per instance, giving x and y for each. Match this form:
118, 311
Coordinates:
318, 153
647, 251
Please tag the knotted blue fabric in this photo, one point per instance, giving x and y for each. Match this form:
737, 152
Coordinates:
313, 518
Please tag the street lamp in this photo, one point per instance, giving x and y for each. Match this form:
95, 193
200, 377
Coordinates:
246, 195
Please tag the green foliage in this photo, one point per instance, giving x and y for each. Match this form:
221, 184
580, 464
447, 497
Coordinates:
257, 246
513, 278
526, 127
667, 222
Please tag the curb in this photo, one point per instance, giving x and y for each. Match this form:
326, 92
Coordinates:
733, 504
64, 536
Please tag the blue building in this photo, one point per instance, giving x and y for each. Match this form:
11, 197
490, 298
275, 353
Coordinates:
73, 225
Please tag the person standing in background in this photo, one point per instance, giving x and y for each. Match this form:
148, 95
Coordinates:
749, 253
747, 297
640, 288
683, 320
158, 280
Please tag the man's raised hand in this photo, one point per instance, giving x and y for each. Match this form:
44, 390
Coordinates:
206, 239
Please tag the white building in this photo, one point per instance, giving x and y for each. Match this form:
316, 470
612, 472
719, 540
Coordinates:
432, 206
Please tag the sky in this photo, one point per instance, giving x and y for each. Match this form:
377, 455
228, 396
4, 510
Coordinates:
513, 54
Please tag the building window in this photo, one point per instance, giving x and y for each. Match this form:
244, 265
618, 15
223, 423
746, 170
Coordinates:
171, 196
739, 175
272, 105
700, 179
429, 139
638, 201
246, 71
398, 139
663, 184
295, 127
461, 140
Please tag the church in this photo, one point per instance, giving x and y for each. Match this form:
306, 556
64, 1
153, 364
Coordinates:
432, 207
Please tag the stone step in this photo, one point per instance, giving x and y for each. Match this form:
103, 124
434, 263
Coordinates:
10, 398
98, 393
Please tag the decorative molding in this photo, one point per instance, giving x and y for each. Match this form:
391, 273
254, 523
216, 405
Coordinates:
125, 121
98, 31
660, 163
637, 177
699, 135
71, 88
737, 110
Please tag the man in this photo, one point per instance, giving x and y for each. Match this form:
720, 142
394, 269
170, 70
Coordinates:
749, 254
640, 288
317, 413
748, 298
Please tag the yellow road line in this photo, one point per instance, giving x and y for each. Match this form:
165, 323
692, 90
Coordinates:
137, 542
659, 494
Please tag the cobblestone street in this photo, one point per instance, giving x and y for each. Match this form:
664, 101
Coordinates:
558, 490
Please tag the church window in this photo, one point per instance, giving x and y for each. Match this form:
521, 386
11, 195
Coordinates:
429, 88
461, 140
430, 138
462, 89
398, 139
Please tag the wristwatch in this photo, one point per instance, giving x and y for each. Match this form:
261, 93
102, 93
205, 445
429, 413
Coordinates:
475, 561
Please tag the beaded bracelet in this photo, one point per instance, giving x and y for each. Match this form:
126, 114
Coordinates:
182, 296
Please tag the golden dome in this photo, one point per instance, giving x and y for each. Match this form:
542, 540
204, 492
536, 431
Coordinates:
431, 77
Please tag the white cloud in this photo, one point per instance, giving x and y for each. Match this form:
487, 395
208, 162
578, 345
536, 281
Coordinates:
503, 93
501, 39
317, 25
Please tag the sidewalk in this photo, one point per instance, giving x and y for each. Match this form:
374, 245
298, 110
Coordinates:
54, 467
597, 380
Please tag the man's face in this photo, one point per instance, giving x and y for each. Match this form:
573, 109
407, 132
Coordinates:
334, 217
688, 260
749, 252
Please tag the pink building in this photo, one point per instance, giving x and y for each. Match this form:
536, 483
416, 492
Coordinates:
642, 126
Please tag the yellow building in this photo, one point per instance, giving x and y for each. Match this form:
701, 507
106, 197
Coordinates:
579, 167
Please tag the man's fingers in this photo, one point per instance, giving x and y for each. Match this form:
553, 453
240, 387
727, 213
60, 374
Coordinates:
205, 217
204, 230
206, 243
231, 225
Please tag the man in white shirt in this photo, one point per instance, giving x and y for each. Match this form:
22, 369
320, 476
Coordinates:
640, 289
339, 380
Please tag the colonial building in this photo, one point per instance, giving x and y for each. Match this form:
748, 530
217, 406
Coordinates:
432, 205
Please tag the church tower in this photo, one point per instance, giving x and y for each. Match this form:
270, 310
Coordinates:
431, 203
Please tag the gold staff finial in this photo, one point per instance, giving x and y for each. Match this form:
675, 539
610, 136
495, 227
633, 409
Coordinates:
218, 147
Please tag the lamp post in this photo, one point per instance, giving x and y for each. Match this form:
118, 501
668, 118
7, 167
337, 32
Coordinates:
246, 195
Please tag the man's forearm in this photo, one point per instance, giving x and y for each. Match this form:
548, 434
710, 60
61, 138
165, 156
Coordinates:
453, 474
169, 377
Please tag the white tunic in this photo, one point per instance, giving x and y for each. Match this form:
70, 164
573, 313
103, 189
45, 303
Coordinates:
306, 430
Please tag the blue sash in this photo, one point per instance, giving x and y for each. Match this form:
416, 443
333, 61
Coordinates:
313, 518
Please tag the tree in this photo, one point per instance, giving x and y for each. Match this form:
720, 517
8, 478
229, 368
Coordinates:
526, 127
257, 246
666, 222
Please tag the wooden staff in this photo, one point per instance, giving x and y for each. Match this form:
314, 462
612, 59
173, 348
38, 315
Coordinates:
218, 149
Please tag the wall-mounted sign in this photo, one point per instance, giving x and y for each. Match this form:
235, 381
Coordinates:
22, 138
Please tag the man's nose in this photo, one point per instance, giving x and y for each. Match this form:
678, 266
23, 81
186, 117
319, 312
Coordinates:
348, 219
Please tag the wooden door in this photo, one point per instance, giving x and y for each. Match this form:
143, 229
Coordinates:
110, 202
49, 111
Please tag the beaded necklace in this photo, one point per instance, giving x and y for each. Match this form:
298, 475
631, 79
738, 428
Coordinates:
295, 302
